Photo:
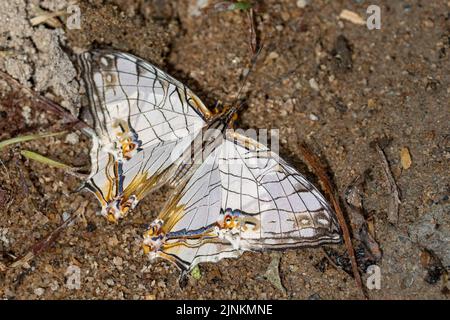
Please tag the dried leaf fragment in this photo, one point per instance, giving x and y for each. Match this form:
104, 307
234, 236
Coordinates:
395, 200
405, 158
49, 18
273, 272
351, 16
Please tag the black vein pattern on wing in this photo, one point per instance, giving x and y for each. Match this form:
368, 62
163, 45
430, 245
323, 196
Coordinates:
165, 76
159, 76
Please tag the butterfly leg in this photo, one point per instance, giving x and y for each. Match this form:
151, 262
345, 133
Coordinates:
183, 279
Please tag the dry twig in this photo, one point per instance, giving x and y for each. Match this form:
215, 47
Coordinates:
318, 169
48, 240
45, 103
395, 200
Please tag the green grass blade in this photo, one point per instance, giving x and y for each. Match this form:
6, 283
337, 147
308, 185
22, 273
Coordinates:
242, 5
40, 158
28, 138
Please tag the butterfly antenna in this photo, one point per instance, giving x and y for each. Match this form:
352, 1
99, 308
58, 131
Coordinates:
235, 107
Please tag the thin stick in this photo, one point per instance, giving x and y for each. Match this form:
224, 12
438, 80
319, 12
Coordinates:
395, 201
45, 103
48, 17
330, 260
48, 240
254, 39
318, 168
234, 107
6, 170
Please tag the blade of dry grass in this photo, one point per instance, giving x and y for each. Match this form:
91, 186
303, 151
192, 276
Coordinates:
48, 17
20, 139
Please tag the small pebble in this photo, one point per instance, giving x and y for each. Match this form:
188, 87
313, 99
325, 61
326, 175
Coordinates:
405, 158
72, 138
314, 296
118, 261
113, 241
293, 268
313, 117
273, 55
65, 216
428, 23
26, 113
54, 286
302, 3
285, 15
39, 291
313, 84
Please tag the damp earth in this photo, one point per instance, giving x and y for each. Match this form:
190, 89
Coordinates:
319, 78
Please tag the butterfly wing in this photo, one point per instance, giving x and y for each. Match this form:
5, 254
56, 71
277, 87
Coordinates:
128, 95
242, 198
142, 116
115, 182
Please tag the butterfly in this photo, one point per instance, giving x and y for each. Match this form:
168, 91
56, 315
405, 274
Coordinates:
231, 193
143, 120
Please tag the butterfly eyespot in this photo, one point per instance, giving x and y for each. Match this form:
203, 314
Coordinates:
152, 231
128, 147
146, 249
111, 217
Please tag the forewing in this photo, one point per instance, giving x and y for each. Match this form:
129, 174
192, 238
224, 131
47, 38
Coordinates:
148, 169
128, 94
142, 116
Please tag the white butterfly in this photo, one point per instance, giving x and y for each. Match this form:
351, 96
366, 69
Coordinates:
242, 197
143, 120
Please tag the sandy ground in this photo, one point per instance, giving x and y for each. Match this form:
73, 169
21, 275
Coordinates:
332, 83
